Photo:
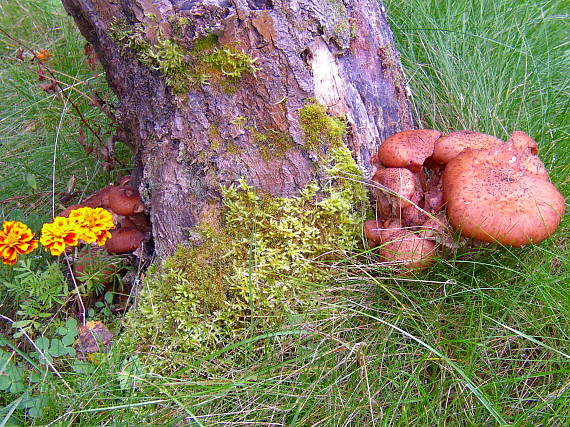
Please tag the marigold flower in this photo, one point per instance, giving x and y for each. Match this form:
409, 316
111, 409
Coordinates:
93, 224
16, 239
58, 234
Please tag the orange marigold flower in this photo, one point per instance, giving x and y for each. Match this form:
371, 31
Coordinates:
16, 239
59, 234
93, 224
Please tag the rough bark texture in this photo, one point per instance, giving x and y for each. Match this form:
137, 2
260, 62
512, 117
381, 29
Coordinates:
340, 53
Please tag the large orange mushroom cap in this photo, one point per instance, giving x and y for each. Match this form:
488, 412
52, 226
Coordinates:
124, 240
492, 195
408, 149
449, 146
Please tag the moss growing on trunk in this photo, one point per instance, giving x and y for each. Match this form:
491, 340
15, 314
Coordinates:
180, 66
251, 274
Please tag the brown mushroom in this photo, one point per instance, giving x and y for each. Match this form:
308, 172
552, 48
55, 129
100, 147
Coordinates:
493, 196
92, 261
125, 200
124, 240
408, 149
138, 221
397, 187
413, 215
372, 229
449, 146
99, 199
405, 247
523, 142
438, 229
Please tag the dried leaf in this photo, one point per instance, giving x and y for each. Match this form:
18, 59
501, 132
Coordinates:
94, 337
91, 57
49, 87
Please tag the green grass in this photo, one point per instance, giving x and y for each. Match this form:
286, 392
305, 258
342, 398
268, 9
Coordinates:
482, 338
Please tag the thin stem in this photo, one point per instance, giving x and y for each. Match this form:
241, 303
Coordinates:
55, 157
81, 305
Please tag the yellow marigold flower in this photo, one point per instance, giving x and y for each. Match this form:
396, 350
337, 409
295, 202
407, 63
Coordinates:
59, 234
16, 239
93, 224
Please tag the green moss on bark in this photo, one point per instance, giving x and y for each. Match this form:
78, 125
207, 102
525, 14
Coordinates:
319, 129
183, 67
253, 272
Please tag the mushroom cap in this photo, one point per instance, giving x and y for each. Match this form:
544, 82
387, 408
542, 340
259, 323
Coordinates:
412, 215
492, 196
408, 149
125, 200
372, 230
405, 247
449, 146
99, 199
523, 142
124, 240
399, 181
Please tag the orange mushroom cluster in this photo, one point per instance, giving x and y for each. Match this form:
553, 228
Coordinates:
124, 202
488, 190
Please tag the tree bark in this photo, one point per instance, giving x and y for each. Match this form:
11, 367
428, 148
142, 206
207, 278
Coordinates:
187, 145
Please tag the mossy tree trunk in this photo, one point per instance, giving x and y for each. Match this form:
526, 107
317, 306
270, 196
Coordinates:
210, 92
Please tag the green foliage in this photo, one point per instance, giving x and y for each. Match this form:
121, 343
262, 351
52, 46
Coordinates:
38, 293
231, 62
22, 374
180, 66
33, 121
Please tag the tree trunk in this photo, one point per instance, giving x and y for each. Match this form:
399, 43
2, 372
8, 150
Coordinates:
201, 115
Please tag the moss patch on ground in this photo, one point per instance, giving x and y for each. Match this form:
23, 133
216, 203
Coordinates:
256, 270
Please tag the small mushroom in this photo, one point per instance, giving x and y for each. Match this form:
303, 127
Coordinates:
412, 216
492, 195
523, 142
372, 230
90, 261
125, 200
438, 229
408, 149
138, 221
405, 247
124, 240
449, 146
398, 188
